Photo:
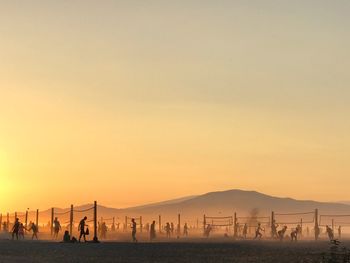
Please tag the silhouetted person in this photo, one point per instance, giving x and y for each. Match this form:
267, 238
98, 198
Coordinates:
258, 233
81, 228
282, 232
152, 233
133, 232
294, 235
56, 227
185, 230
168, 230
21, 231
66, 237
317, 232
330, 233
207, 231
245, 231
15, 229
172, 228
33, 227
103, 230
339, 232
274, 227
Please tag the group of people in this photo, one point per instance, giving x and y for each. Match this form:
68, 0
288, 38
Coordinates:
18, 230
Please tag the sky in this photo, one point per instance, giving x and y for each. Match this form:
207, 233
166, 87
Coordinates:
132, 102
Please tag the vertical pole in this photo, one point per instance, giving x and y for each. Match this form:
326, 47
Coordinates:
26, 221
272, 223
126, 224
141, 226
178, 225
52, 218
71, 221
197, 223
37, 218
160, 223
333, 225
317, 231
95, 222
301, 227
114, 223
0, 222
204, 222
8, 222
235, 225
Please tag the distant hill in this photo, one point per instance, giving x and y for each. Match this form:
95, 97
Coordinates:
214, 204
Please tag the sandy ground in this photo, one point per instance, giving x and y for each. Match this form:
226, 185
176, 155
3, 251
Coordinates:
199, 250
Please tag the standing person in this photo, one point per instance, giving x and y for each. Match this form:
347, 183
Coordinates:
56, 228
133, 232
21, 231
81, 228
172, 228
258, 233
185, 230
282, 232
152, 234
15, 229
33, 227
274, 227
245, 231
167, 230
294, 235
330, 233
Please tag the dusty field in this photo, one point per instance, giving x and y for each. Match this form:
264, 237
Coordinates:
190, 251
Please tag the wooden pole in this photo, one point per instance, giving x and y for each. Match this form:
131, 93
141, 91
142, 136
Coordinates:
8, 222
272, 223
52, 218
37, 218
141, 225
204, 222
301, 227
0, 222
317, 231
95, 222
26, 221
178, 225
235, 230
160, 223
71, 221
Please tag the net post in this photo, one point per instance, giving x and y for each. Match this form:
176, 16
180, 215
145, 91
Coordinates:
52, 218
37, 218
71, 221
8, 222
0, 221
301, 227
272, 223
160, 223
95, 223
316, 225
26, 221
235, 225
178, 225
141, 226
204, 222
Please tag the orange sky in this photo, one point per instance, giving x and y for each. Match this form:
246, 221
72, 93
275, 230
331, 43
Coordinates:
130, 103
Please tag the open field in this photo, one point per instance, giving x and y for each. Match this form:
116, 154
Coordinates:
200, 250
